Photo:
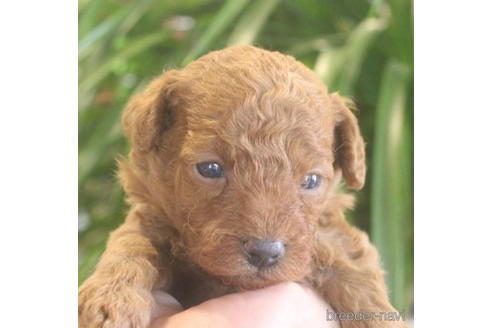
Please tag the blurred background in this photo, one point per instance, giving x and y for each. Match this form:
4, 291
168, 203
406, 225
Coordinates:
362, 49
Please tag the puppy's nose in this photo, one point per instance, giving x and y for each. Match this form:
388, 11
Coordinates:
263, 253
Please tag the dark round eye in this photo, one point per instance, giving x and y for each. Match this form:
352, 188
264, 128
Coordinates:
311, 181
211, 170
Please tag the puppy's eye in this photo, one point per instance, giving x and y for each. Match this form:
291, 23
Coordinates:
211, 170
311, 181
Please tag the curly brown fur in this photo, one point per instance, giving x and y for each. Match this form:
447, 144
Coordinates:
269, 121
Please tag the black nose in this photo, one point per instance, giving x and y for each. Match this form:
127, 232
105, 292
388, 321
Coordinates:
263, 253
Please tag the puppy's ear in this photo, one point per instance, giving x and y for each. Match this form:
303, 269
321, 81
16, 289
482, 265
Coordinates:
151, 112
349, 146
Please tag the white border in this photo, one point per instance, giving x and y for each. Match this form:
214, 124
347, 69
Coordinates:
38, 173
453, 166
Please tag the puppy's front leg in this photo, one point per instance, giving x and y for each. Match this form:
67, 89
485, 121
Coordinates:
350, 279
118, 292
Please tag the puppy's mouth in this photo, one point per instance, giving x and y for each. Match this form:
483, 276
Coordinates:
254, 278
254, 281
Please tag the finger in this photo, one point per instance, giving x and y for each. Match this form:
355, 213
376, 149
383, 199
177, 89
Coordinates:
165, 304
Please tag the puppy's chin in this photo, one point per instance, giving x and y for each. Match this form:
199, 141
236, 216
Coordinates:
257, 281
244, 277
253, 282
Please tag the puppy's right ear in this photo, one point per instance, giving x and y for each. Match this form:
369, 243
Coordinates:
151, 112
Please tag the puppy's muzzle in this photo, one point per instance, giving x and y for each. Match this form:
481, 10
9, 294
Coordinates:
263, 253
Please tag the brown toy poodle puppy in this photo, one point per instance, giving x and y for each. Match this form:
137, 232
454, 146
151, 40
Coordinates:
233, 185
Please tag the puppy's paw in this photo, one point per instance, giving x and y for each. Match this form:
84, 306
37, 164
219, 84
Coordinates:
104, 304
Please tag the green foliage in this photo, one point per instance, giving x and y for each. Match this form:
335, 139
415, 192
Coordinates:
364, 50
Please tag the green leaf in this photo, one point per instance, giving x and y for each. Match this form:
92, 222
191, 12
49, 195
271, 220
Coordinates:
134, 48
124, 19
392, 179
252, 21
221, 21
103, 30
339, 66
355, 51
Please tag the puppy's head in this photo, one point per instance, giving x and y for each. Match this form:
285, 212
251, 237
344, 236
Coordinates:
242, 150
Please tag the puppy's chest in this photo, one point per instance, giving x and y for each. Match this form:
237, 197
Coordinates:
191, 286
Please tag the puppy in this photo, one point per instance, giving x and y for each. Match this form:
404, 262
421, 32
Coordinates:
232, 181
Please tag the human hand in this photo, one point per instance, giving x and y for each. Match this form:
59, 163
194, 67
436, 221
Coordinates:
286, 305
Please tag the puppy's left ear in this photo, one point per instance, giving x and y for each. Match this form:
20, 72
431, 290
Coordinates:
349, 146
